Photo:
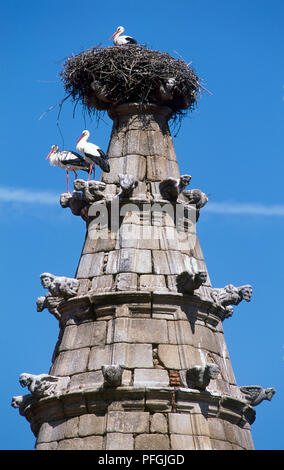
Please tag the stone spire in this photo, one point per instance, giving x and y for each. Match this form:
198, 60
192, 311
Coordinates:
141, 361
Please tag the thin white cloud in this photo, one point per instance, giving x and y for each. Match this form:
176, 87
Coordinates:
236, 208
24, 196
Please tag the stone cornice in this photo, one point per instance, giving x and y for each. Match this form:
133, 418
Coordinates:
84, 306
166, 400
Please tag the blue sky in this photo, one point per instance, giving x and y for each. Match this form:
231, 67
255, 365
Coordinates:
232, 145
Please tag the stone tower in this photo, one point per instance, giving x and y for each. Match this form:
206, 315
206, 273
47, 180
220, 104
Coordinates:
141, 361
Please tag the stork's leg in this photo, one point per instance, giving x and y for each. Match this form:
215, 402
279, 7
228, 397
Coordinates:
67, 172
91, 167
94, 171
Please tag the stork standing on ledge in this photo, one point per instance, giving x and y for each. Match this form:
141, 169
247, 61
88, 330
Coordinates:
69, 161
119, 40
92, 153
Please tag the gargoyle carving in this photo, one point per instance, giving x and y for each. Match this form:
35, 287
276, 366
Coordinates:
20, 401
254, 394
188, 282
231, 295
49, 302
200, 376
127, 185
112, 374
41, 385
171, 188
197, 198
60, 286
92, 191
76, 202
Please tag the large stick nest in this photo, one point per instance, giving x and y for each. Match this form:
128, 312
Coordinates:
103, 77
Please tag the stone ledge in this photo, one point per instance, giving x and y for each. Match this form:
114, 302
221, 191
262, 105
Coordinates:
127, 398
84, 306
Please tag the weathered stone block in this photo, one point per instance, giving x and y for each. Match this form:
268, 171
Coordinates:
202, 443
152, 442
132, 355
90, 265
182, 442
151, 378
159, 423
200, 426
99, 355
216, 429
93, 245
72, 427
86, 380
139, 330
102, 283
119, 441
53, 431
47, 446
128, 421
220, 445
169, 356
71, 362
136, 143
112, 262
180, 423
87, 443
85, 334
156, 168
91, 424
153, 283
190, 356
126, 281
138, 261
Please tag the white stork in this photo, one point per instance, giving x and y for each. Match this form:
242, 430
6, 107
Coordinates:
119, 40
92, 153
69, 161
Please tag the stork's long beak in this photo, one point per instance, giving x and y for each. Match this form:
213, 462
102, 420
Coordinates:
49, 154
79, 139
113, 35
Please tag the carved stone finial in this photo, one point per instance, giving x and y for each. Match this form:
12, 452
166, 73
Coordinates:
254, 394
41, 385
230, 295
200, 376
112, 374
60, 286
188, 282
92, 191
170, 188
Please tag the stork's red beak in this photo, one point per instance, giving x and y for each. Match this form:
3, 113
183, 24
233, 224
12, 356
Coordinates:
79, 139
113, 35
49, 154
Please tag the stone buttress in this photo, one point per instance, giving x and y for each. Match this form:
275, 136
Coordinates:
141, 361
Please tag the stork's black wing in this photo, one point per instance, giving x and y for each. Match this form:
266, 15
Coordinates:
75, 159
101, 160
131, 40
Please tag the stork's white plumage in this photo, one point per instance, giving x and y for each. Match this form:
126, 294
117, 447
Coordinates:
69, 161
92, 153
119, 40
